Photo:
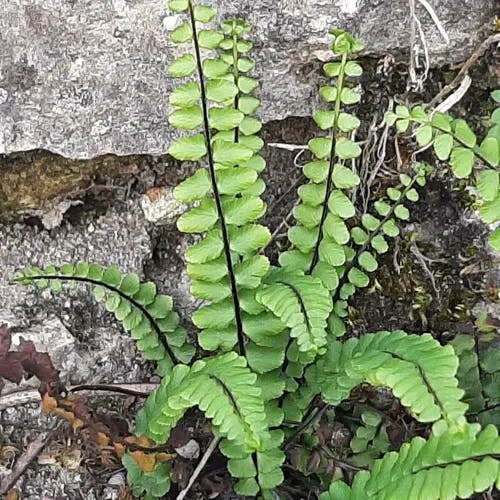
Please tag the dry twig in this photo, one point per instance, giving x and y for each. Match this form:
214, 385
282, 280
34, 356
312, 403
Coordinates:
31, 452
476, 55
204, 459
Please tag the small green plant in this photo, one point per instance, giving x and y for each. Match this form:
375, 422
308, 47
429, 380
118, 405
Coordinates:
270, 342
479, 374
454, 141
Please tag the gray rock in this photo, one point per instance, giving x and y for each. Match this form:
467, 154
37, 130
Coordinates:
190, 451
89, 77
86, 344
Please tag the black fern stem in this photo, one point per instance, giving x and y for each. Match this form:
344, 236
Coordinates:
161, 335
324, 213
215, 189
236, 73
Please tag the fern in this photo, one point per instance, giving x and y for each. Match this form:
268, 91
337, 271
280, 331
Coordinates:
271, 335
147, 315
479, 376
448, 465
371, 440
321, 232
455, 142
225, 390
420, 372
224, 266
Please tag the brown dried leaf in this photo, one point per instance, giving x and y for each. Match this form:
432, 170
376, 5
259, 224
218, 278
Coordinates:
146, 462
49, 404
164, 457
102, 439
27, 362
119, 449
12, 495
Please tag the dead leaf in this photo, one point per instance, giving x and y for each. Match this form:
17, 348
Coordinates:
102, 439
13, 495
146, 462
49, 404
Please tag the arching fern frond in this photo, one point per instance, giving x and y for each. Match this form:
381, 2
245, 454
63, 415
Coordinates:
226, 391
222, 387
147, 315
453, 464
302, 303
420, 372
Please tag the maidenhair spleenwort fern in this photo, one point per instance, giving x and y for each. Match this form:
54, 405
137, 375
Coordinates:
270, 335
450, 464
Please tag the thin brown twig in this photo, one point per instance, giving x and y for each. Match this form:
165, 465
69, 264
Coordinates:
27, 396
204, 459
476, 55
31, 452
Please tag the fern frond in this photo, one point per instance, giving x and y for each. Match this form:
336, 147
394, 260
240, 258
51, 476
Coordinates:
224, 265
370, 441
420, 372
302, 304
321, 233
147, 315
222, 387
230, 396
455, 142
370, 237
455, 463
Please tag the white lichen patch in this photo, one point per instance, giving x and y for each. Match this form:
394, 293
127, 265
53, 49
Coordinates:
349, 6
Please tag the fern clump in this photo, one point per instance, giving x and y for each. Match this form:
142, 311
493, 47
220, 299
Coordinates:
269, 340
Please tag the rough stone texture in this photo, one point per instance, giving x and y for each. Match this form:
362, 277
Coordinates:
85, 78
85, 342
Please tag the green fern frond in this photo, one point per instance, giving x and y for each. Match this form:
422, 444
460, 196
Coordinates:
420, 372
222, 387
370, 440
453, 464
228, 393
455, 142
302, 304
319, 238
147, 315
224, 265
370, 237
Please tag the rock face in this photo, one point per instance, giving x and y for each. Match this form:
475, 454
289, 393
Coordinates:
84, 78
